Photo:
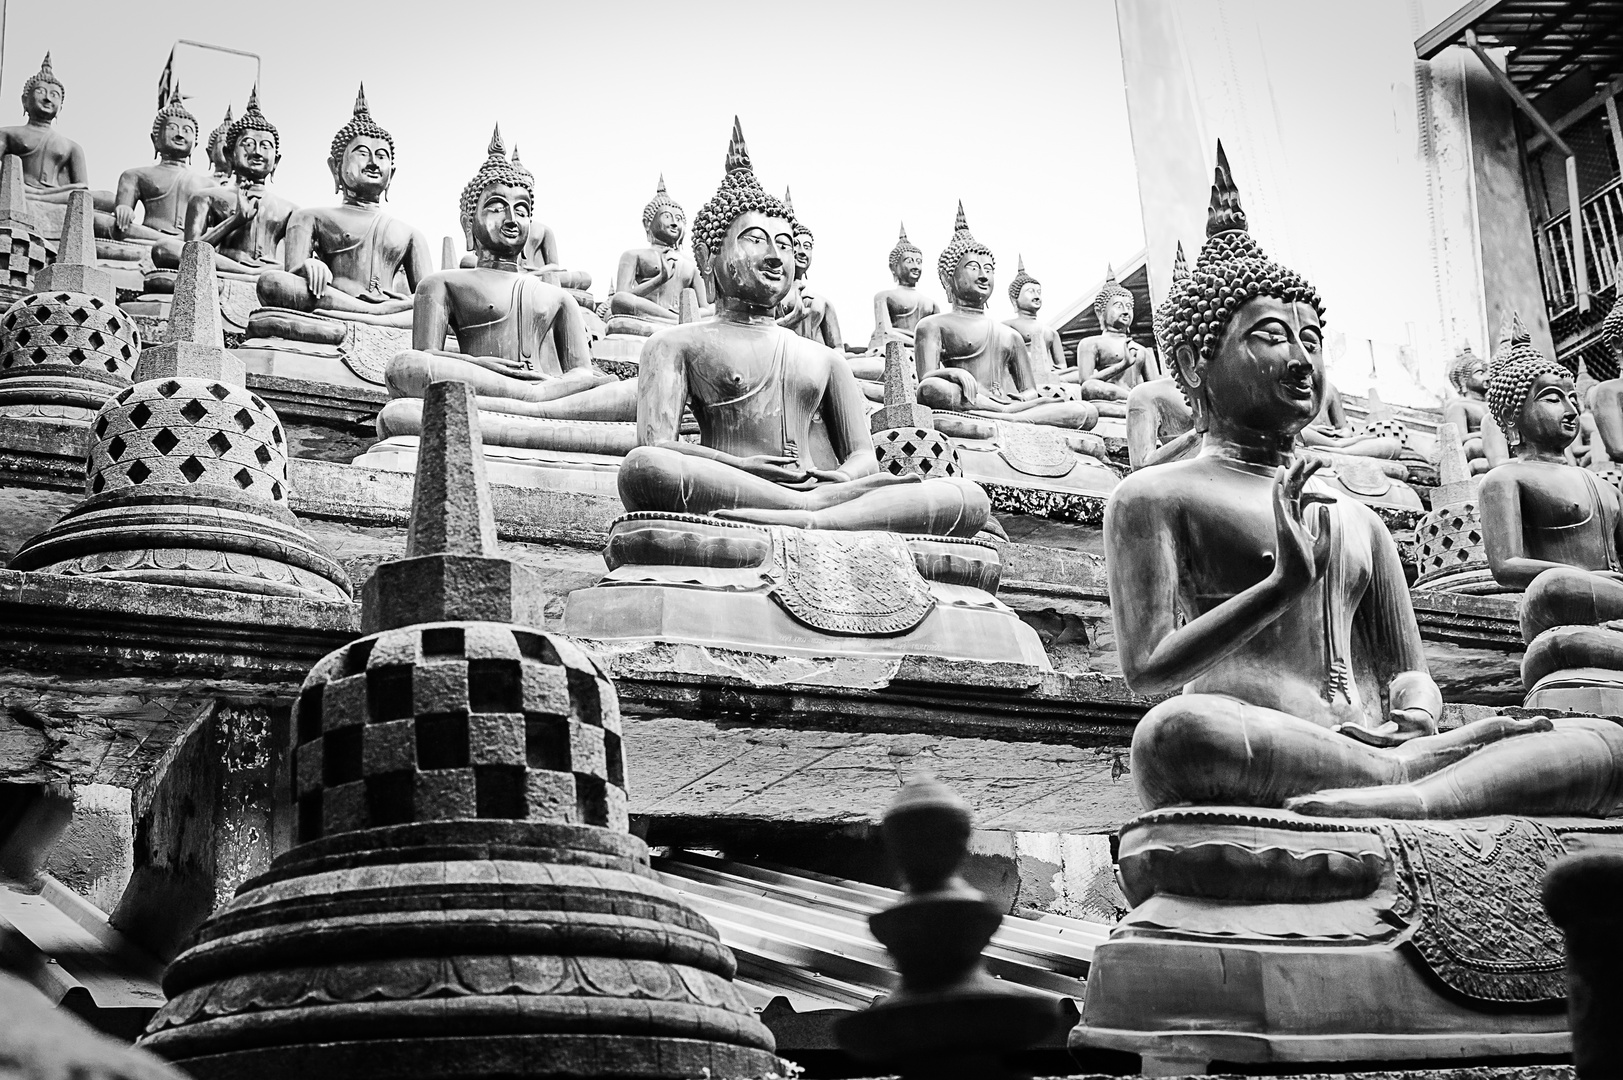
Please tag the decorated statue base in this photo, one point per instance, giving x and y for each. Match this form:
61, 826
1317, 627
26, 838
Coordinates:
319, 348
619, 353
553, 470
800, 592
1009, 453
1266, 936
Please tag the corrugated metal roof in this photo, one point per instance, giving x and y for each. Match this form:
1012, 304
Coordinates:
1548, 39
805, 955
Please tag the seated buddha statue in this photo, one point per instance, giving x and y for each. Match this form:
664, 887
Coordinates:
806, 310
244, 220
53, 164
219, 164
648, 282
1606, 399
969, 362
1277, 613
1043, 346
523, 343
756, 389
163, 189
343, 260
1111, 363
897, 311
1468, 375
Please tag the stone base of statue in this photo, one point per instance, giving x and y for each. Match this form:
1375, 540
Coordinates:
619, 352
239, 298
497, 949
1576, 669
1031, 468
126, 260
560, 469
800, 592
1262, 936
319, 348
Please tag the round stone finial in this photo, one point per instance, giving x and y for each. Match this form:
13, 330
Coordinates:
457, 721
62, 354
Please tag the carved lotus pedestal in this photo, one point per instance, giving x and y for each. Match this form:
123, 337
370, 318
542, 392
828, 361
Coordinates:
800, 592
1264, 936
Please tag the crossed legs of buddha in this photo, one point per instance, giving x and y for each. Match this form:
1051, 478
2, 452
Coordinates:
1568, 596
661, 479
956, 390
278, 288
1211, 749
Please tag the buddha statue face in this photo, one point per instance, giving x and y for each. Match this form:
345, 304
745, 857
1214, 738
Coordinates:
1475, 377
43, 101
754, 261
366, 169
803, 255
1548, 419
909, 269
176, 138
1118, 314
972, 279
501, 222
255, 155
1030, 299
1267, 372
667, 227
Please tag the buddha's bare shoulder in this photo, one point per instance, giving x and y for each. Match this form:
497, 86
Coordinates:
1169, 483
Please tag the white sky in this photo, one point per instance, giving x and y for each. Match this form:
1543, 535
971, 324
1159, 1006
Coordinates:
874, 112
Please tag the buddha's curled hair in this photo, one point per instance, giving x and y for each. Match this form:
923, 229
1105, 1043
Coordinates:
739, 194
1513, 381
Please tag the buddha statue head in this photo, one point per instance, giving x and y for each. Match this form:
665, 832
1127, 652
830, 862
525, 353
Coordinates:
1244, 333
1163, 315
743, 238
966, 267
803, 239
252, 145
1114, 305
43, 94
662, 220
1025, 291
1611, 330
1468, 373
1533, 400
361, 158
174, 130
497, 204
1512, 333
906, 261
218, 161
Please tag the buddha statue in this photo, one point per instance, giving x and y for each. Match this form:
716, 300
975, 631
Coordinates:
805, 310
163, 189
897, 311
969, 362
219, 163
1468, 375
1302, 806
343, 260
53, 164
1160, 423
523, 343
1111, 363
540, 255
1606, 400
756, 390
1043, 346
244, 221
648, 282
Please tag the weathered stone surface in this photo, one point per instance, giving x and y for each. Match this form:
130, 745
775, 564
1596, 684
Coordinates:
75, 269
693, 778
93, 857
39, 1041
322, 421
437, 588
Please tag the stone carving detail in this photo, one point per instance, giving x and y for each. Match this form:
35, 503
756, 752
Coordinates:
1035, 451
189, 431
23, 253
1473, 890
849, 583
916, 451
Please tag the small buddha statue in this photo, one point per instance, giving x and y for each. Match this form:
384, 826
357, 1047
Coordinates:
343, 260
897, 311
969, 362
219, 164
1606, 399
53, 164
1468, 375
1275, 612
1160, 423
163, 189
1111, 363
244, 221
523, 342
1043, 346
649, 281
756, 389
805, 310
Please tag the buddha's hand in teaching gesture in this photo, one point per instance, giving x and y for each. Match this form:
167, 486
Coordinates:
1302, 554
318, 274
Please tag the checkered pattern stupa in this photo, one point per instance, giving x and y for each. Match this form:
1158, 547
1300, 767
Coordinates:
471, 765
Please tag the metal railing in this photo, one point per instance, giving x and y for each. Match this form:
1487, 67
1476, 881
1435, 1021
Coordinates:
1602, 216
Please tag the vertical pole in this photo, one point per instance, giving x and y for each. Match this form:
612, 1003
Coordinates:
1580, 260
